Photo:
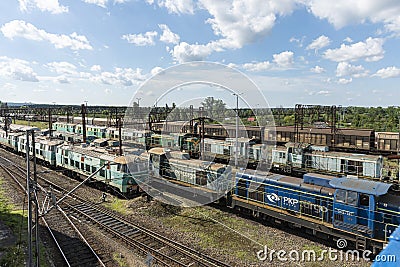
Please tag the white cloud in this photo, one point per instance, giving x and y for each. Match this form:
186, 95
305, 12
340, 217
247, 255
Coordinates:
348, 40
389, 72
344, 12
17, 69
345, 69
51, 6
284, 59
62, 67
281, 61
101, 3
344, 81
141, 39
240, 22
317, 69
258, 66
184, 52
232, 65
319, 43
108, 91
95, 68
20, 28
120, 76
176, 6
323, 92
156, 70
370, 50
168, 36
297, 40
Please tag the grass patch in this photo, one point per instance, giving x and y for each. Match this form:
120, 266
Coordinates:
217, 230
15, 255
120, 260
116, 204
38, 124
159, 209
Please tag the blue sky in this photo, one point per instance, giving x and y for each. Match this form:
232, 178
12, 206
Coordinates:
342, 52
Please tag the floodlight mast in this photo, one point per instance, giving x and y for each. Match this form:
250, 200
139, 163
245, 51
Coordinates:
237, 128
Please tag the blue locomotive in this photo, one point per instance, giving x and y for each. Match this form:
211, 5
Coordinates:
363, 211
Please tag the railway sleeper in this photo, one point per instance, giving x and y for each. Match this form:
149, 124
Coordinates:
112, 224
130, 231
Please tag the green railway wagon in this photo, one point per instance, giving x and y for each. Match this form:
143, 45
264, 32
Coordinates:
85, 160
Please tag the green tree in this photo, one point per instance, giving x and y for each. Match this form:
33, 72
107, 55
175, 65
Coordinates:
215, 108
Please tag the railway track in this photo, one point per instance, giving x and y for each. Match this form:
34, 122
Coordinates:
73, 246
162, 250
156, 248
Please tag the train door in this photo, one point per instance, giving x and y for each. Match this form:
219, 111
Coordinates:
345, 209
355, 167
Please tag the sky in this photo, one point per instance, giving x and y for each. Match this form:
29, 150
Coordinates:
342, 52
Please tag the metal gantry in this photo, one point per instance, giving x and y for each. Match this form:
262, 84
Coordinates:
303, 112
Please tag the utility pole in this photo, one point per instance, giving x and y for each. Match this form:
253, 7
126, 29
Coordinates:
28, 192
31, 187
6, 124
83, 111
87, 117
120, 135
50, 123
237, 128
35, 200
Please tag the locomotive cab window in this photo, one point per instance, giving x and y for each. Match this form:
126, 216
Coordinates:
348, 197
364, 200
121, 168
341, 195
351, 198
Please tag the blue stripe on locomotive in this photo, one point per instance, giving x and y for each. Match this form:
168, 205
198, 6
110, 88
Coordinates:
290, 194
